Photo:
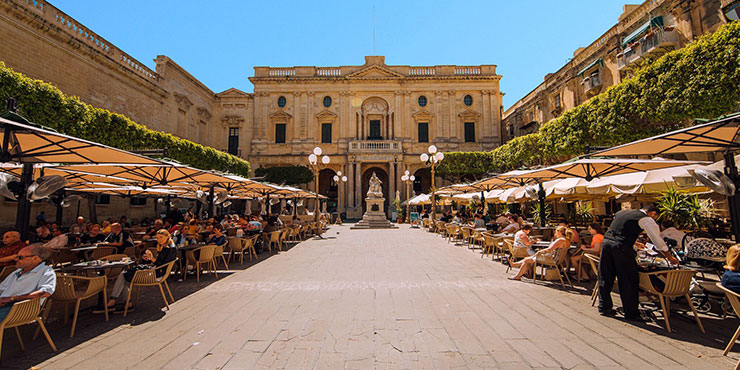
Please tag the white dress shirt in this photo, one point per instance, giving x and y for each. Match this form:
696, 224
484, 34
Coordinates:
653, 232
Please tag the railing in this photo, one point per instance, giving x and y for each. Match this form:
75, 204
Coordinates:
422, 71
375, 146
648, 45
467, 71
591, 82
282, 72
329, 71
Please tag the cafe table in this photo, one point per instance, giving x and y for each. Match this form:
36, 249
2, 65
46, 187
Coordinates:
98, 268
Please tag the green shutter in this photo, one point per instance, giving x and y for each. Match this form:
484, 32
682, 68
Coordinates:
655, 22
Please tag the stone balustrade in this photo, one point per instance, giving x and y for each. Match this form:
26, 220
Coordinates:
375, 146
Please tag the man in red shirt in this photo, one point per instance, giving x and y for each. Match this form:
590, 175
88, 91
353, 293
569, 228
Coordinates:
11, 245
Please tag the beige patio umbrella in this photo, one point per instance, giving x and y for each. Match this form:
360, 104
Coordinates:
25, 143
721, 135
127, 190
646, 182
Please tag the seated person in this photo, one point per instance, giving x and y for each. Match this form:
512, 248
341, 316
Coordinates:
105, 227
561, 242
32, 279
255, 224
296, 221
59, 240
272, 224
597, 236
503, 219
93, 235
218, 237
731, 277
12, 244
456, 219
522, 241
119, 238
446, 217
670, 233
158, 224
43, 234
181, 238
124, 222
78, 228
166, 253
511, 227
478, 222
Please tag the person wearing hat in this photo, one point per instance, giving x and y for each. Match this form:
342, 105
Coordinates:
618, 258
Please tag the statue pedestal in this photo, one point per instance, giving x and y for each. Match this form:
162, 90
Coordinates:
374, 217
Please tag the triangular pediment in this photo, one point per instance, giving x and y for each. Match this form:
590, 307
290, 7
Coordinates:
326, 114
375, 71
469, 114
281, 115
422, 114
233, 93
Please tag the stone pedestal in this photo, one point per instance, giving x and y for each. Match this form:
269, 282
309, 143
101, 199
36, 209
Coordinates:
374, 217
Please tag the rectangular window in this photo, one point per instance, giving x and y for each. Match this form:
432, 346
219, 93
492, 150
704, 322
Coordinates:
233, 140
375, 130
423, 132
557, 101
326, 133
280, 133
469, 132
102, 199
137, 201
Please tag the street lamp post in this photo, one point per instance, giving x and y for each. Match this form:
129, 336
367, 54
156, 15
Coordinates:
313, 161
408, 179
339, 179
432, 160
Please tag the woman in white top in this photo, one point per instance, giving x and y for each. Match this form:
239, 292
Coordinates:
522, 240
562, 241
511, 227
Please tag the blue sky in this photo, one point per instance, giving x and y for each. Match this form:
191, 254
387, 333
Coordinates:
219, 42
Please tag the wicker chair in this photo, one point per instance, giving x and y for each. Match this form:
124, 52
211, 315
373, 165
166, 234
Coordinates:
273, 238
548, 261
451, 231
593, 261
514, 254
465, 235
101, 252
677, 284
249, 244
68, 290
734, 299
149, 277
218, 253
22, 313
206, 256
130, 252
236, 246
6, 271
489, 245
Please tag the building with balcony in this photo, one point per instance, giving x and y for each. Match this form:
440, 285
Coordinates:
642, 33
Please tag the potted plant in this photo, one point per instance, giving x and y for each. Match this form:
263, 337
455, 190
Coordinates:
535, 212
398, 210
688, 212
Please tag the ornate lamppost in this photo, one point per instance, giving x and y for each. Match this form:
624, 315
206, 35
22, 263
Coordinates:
339, 179
313, 162
408, 179
432, 160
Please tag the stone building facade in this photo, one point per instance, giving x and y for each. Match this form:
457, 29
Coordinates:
368, 118
643, 33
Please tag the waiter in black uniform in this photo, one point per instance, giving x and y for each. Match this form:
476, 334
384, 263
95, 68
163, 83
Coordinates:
618, 258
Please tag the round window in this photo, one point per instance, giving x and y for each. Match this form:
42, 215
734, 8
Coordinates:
281, 102
422, 101
468, 100
327, 101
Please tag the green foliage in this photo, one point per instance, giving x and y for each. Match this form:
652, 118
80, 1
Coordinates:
584, 212
288, 175
45, 104
699, 80
465, 166
535, 213
686, 211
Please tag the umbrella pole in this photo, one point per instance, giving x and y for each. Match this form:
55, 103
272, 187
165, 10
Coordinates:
268, 205
23, 212
167, 209
211, 207
541, 196
734, 200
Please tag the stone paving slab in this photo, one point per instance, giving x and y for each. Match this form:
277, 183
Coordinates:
388, 299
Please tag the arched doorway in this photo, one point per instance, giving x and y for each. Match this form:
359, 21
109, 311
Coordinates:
328, 187
422, 181
383, 177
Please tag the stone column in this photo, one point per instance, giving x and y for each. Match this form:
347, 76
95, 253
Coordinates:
391, 184
437, 117
358, 185
350, 185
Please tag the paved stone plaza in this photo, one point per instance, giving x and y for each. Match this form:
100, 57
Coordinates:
377, 299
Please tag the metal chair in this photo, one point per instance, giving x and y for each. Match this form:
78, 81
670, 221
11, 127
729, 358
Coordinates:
149, 277
22, 313
734, 299
593, 261
69, 290
677, 284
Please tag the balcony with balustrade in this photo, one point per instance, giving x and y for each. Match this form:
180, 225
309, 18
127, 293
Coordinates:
375, 146
652, 45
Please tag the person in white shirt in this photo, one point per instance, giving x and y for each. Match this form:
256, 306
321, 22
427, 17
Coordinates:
32, 279
59, 240
670, 232
512, 227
